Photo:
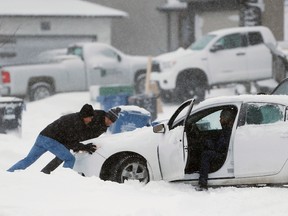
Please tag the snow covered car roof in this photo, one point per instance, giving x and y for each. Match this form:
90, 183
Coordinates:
282, 99
264, 29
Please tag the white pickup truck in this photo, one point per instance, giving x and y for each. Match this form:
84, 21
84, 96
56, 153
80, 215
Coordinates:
83, 65
234, 55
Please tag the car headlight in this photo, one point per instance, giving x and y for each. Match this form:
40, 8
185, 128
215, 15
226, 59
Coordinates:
168, 64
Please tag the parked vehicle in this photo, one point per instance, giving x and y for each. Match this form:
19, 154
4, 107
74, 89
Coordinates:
84, 64
11, 114
170, 151
233, 55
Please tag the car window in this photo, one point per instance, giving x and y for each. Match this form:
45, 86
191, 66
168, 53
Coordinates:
210, 122
202, 42
109, 53
263, 113
75, 50
231, 41
179, 120
208, 119
282, 88
255, 38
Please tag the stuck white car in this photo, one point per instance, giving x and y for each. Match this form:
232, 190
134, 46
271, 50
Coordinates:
257, 153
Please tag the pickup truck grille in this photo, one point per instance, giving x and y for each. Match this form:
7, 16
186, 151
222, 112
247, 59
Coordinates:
156, 67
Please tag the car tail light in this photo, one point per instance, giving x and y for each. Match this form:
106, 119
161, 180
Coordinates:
5, 77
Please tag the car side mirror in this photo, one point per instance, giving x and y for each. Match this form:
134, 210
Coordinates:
216, 47
119, 58
159, 128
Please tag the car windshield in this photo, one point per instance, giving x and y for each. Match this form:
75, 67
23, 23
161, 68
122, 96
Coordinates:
202, 42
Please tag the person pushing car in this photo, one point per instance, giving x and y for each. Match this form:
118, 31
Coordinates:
99, 125
60, 136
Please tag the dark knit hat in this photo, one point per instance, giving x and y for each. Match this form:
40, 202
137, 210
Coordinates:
113, 113
86, 111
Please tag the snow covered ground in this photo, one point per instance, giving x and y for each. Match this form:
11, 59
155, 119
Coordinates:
64, 192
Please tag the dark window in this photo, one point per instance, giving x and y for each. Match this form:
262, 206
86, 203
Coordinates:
231, 41
45, 26
9, 39
264, 113
255, 38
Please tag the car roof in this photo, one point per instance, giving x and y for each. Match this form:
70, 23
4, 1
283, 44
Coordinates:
239, 29
268, 37
89, 44
280, 99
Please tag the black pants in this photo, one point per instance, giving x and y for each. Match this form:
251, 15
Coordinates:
208, 157
52, 165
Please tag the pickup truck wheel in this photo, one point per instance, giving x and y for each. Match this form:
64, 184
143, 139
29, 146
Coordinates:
39, 91
189, 89
140, 84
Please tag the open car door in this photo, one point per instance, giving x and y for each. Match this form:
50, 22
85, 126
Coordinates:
172, 148
282, 88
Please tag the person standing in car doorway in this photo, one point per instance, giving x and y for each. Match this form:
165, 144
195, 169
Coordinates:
100, 123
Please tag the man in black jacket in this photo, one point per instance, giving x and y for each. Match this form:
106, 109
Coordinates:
215, 152
61, 135
99, 125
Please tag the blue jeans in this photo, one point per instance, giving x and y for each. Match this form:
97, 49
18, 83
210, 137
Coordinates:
42, 145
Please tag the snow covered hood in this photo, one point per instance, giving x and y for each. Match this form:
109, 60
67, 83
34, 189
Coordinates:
180, 52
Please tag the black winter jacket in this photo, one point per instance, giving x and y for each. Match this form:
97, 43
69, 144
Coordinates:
70, 129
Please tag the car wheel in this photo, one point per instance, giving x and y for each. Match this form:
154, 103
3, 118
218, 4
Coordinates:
130, 167
140, 84
166, 96
189, 87
40, 91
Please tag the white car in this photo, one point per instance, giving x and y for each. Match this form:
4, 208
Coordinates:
257, 153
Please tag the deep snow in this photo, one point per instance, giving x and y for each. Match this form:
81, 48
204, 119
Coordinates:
64, 192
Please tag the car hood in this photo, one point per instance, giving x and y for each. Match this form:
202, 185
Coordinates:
179, 53
138, 59
136, 140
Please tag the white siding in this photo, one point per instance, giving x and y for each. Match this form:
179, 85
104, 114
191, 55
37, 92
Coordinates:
29, 39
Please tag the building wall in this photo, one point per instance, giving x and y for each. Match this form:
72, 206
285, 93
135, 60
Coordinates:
22, 38
213, 20
212, 13
58, 26
144, 32
273, 17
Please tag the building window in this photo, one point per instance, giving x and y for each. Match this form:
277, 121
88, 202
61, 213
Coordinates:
7, 39
7, 46
45, 26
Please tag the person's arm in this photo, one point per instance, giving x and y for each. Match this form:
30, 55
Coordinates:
90, 147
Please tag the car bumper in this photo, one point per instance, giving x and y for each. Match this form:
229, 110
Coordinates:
4, 90
89, 165
166, 80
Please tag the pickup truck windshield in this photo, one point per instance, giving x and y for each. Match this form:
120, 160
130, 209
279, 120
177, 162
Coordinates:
202, 42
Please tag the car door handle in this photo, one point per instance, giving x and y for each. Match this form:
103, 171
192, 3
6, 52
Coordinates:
240, 54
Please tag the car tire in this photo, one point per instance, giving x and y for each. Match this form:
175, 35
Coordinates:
40, 91
130, 167
188, 87
140, 83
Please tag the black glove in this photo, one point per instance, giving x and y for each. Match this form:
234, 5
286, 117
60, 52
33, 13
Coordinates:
90, 148
78, 148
